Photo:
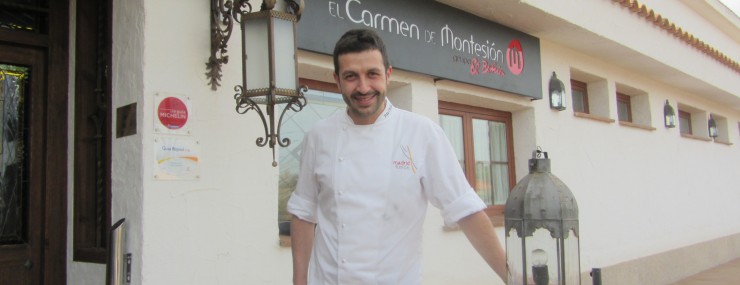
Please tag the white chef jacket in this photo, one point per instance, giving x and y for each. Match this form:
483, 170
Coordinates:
367, 186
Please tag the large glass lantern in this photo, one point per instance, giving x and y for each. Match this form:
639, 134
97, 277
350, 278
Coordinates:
541, 222
270, 53
269, 61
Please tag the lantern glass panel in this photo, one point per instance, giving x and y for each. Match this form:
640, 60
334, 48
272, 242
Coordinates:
514, 258
541, 243
670, 120
285, 73
572, 259
256, 47
557, 99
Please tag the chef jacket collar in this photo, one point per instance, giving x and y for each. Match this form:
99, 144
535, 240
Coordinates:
383, 116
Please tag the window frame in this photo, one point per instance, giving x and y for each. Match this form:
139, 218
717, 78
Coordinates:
626, 99
468, 113
685, 115
582, 87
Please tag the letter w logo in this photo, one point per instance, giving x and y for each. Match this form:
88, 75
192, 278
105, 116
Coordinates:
515, 57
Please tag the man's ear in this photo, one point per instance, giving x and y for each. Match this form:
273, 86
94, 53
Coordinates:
336, 80
387, 74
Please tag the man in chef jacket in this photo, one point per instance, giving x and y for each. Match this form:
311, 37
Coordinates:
366, 178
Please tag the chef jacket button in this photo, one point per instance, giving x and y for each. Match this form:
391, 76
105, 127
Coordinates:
344, 225
341, 159
344, 260
341, 192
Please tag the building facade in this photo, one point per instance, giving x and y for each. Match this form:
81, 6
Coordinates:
120, 123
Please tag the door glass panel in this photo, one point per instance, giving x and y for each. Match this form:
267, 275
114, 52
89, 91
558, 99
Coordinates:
295, 126
13, 194
25, 15
453, 128
491, 161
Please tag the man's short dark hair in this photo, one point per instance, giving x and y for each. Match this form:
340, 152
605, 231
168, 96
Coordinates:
358, 41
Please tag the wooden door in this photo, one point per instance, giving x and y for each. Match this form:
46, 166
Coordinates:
22, 178
34, 49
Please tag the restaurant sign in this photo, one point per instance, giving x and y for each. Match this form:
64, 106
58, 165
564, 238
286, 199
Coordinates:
428, 37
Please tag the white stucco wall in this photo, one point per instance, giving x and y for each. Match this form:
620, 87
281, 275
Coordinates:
220, 228
640, 192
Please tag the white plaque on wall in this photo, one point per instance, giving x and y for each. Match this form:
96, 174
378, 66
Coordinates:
176, 159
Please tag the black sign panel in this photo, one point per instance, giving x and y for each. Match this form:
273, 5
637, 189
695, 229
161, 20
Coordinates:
431, 38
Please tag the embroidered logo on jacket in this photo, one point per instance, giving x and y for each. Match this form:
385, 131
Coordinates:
408, 163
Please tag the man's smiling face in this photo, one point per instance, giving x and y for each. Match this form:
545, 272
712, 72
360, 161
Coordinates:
363, 80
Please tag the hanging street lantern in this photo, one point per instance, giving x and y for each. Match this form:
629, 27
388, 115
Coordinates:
541, 223
669, 116
557, 93
712, 127
269, 61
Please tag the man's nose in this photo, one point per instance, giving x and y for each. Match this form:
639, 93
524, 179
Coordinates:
364, 85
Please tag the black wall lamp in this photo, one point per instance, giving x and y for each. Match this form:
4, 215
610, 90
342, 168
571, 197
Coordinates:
557, 93
669, 116
712, 127
269, 60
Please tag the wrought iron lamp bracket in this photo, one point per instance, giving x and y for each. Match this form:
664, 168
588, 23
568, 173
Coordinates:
223, 16
244, 103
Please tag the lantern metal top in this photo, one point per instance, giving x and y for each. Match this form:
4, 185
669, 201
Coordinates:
541, 200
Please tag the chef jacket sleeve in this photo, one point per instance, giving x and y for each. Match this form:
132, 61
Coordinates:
303, 202
444, 181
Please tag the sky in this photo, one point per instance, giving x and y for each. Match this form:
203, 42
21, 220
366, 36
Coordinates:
734, 5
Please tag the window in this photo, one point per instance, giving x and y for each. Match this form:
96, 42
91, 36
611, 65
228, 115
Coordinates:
482, 140
633, 107
693, 122
580, 96
624, 108
324, 100
93, 132
592, 96
684, 122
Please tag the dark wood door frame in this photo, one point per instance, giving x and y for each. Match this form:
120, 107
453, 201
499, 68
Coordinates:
55, 44
55, 253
